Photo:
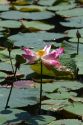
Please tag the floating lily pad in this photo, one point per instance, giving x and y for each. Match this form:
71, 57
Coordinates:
4, 7
69, 48
71, 12
35, 40
72, 33
16, 15
39, 15
2, 76
74, 24
53, 105
74, 40
66, 122
4, 54
23, 2
19, 97
79, 63
12, 14
75, 108
5, 66
10, 24
13, 116
37, 25
62, 95
1, 35
61, 7
46, 2
69, 85
30, 8
41, 120
2, 29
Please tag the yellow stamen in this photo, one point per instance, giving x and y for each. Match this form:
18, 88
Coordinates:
40, 53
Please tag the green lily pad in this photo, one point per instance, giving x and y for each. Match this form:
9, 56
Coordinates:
72, 33
35, 40
30, 8
79, 63
41, 120
4, 7
71, 12
16, 15
2, 29
37, 25
66, 122
46, 2
25, 70
74, 24
63, 6
1, 35
4, 54
62, 95
5, 66
69, 47
53, 105
23, 2
12, 14
39, 15
13, 116
2, 76
69, 85
19, 97
74, 40
75, 108
10, 24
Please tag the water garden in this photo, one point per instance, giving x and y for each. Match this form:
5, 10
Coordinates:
41, 62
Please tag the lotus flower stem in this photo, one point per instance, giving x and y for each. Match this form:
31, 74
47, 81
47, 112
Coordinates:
40, 90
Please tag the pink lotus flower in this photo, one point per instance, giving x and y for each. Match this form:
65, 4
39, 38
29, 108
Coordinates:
49, 58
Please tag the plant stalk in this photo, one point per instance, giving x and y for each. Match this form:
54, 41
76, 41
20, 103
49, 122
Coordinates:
14, 72
40, 89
